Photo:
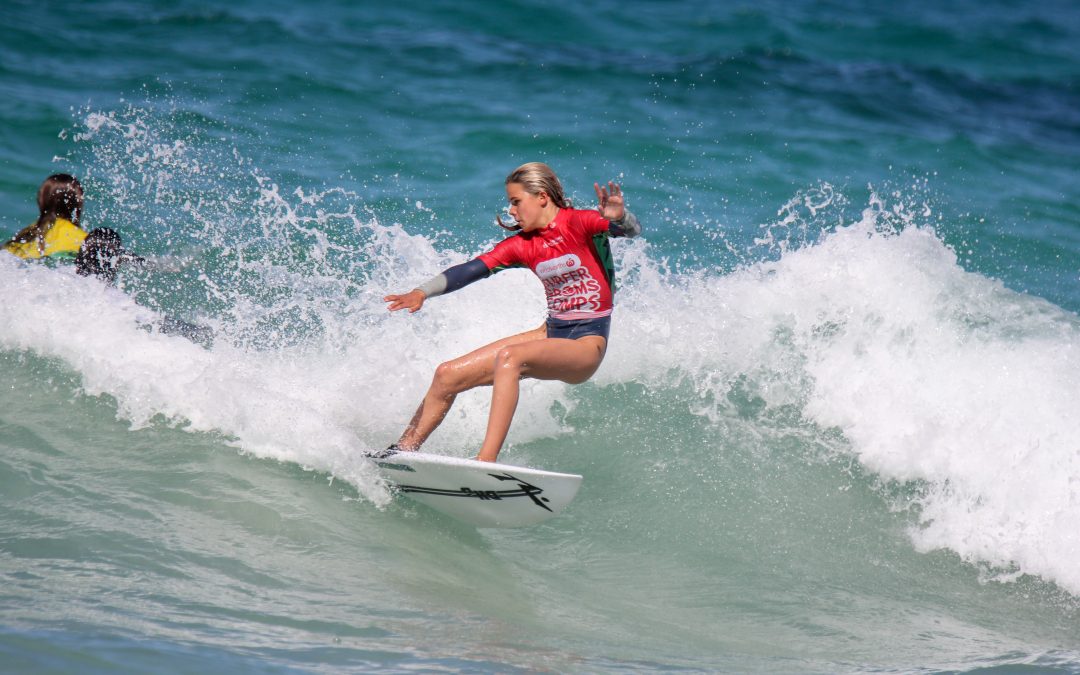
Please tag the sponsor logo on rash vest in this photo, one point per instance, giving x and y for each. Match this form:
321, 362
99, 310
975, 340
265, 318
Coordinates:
569, 285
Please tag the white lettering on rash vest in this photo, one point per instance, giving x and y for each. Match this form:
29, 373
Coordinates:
568, 285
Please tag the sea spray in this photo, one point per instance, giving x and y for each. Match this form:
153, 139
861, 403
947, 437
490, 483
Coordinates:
863, 334
933, 375
307, 365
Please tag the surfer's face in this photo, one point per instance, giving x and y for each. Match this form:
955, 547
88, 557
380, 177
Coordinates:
532, 212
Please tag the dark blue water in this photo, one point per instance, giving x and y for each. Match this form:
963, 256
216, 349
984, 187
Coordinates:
835, 431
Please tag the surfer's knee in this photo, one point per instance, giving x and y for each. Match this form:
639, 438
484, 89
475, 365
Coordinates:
444, 375
450, 378
508, 360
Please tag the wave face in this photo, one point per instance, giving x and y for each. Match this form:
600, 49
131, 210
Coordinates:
835, 429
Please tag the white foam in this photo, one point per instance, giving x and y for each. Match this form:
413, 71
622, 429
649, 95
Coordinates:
309, 367
348, 387
932, 373
264, 401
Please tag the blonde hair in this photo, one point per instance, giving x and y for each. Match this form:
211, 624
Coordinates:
537, 177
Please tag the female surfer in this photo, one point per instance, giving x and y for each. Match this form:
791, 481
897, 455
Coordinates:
57, 234
569, 250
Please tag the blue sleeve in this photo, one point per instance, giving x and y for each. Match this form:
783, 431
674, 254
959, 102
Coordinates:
464, 274
455, 277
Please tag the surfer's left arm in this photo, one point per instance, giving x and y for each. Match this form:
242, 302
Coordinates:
622, 223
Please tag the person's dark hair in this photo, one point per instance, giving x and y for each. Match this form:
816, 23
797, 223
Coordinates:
60, 196
101, 254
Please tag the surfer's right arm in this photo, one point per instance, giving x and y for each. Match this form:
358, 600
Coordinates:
447, 281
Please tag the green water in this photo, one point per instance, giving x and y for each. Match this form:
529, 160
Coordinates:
835, 430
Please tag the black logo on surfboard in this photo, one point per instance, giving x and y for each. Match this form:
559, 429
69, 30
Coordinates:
523, 489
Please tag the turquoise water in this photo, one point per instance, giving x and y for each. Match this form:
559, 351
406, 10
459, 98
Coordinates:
836, 429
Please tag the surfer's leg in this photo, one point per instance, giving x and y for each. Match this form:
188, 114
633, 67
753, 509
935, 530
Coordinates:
474, 369
572, 361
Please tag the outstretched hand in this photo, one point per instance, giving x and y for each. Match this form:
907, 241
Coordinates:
412, 301
611, 201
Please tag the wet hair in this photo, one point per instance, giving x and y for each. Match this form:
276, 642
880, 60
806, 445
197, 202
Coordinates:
60, 196
537, 177
101, 254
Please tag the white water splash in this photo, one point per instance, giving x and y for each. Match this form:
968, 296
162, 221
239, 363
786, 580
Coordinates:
933, 375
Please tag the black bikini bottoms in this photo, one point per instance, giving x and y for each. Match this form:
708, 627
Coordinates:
572, 329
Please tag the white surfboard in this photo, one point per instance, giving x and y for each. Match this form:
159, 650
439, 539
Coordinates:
484, 494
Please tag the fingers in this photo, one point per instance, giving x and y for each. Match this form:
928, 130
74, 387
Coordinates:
412, 301
398, 302
604, 194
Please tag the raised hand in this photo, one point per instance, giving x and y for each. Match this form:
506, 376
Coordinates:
611, 201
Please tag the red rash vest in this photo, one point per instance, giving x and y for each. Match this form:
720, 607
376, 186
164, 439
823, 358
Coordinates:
573, 266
